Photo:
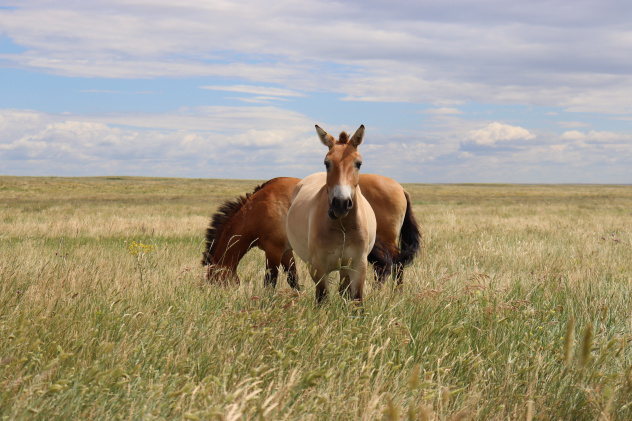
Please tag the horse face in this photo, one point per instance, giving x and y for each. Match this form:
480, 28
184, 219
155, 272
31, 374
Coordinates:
343, 163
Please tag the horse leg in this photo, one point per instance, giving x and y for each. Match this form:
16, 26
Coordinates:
272, 269
272, 273
380, 273
287, 261
345, 284
356, 277
321, 279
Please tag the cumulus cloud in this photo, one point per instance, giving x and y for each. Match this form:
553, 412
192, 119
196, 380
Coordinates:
496, 133
33, 143
266, 142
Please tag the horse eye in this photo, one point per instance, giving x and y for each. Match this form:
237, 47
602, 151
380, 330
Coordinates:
358, 165
327, 164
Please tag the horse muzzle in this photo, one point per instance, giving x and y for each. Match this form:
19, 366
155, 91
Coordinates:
339, 208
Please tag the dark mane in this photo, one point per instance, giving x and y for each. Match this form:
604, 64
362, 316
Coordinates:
219, 220
343, 138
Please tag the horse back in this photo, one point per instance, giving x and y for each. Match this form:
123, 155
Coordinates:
388, 200
267, 212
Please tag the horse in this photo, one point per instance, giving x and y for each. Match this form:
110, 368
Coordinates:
330, 225
258, 220
397, 228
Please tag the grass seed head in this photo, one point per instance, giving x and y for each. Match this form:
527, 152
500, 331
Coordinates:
584, 357
568, 340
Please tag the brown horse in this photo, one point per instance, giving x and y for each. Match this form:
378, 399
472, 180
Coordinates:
330, 225
258, 220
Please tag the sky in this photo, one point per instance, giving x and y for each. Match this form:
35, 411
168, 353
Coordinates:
464, 91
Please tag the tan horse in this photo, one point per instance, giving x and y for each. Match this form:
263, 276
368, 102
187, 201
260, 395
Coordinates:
330, 225
258, 220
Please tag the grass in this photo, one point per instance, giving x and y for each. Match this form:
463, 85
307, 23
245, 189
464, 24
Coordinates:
518, 307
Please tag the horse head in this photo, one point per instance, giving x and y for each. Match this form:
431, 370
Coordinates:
343, 163
221, 275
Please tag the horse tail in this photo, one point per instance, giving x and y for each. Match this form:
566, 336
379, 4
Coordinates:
381, 255
409, 237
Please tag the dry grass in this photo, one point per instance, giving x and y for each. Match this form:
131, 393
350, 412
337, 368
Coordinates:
518, 308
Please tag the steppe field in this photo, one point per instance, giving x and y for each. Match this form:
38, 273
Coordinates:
518, 307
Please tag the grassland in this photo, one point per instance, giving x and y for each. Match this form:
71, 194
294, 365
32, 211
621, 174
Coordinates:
518, 307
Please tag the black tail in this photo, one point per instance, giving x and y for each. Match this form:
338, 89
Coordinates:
409, 237
381, 254
381, 257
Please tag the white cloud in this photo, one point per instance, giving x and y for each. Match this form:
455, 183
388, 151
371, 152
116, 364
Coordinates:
497, 132
442, 111
597, 136
436, 55
264, 91
433, 53
212, 119
573, 135
265, 142
258, 99
572, 124
222, 143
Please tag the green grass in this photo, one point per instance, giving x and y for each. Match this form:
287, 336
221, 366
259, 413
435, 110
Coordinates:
518, 307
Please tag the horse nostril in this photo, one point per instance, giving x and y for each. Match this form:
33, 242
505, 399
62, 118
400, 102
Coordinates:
341, 205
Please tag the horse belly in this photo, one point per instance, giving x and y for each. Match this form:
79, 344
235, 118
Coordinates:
387, 199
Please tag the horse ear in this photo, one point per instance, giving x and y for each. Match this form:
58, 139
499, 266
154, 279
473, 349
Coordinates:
357, 137
327, 139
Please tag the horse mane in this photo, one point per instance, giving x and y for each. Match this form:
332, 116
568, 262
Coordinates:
343, 138
220, 220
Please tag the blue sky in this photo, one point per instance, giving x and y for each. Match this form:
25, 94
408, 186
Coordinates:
449, 91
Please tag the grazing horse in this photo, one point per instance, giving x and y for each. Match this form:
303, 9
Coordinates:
330, 225
258, 220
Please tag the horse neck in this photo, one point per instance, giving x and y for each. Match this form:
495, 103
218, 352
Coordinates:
233, 243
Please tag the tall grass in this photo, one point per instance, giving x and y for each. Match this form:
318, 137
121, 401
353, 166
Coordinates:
517, 308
